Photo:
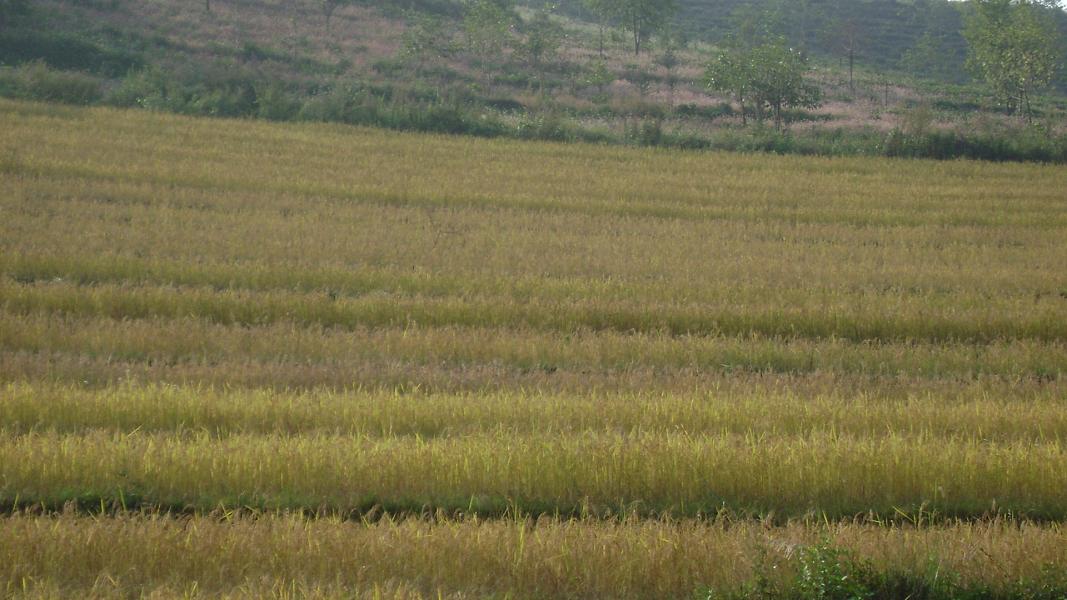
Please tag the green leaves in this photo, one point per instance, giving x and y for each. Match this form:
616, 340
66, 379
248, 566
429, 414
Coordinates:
1012, 46
770, 75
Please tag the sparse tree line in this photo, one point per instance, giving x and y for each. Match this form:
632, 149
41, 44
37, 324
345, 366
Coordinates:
759, 66
1013, 45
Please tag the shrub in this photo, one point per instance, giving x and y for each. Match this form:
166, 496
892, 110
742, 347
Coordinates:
36, 81
65, 52
149, 88
273, 102
1023, 144
826, 572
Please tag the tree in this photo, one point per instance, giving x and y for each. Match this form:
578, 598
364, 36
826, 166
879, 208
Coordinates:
329, 7
934, 53
425, 37
1012, 45
778, 80
803, 14
843, 33
603, 10
669, 61
600, 77
932, 56
846, 34
731, 72
752, 25
487, 24
542, 40
643, 17
12, 9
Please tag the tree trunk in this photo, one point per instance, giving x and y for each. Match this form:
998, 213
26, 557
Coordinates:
851, 65
744, 117
637, 37
207, 5
778, 117
601, 38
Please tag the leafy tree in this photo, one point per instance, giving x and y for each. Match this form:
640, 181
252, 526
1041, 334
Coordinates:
425, 38
846, 37
778, 80
12, 9
643, 17
328, 8
1012, 45
641, 79
804, 16
931, 56
752, 25
731, 72
670, 61
600, 77
543, 37
487, 24
604, 11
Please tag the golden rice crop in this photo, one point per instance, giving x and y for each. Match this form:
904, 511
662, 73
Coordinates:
127, 408
287, 557
231, 320
651, 473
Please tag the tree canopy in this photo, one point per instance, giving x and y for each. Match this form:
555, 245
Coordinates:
771, 76
10, 9
1012, 46
642, 17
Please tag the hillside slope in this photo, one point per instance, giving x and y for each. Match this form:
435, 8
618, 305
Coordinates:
413, 65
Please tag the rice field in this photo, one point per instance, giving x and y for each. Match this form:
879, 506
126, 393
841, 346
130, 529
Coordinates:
241, 359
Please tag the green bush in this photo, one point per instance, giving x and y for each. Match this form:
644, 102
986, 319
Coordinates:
36, 81
1023, 144
65, 52
826, 572
648, 132
274, 103
143, 89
